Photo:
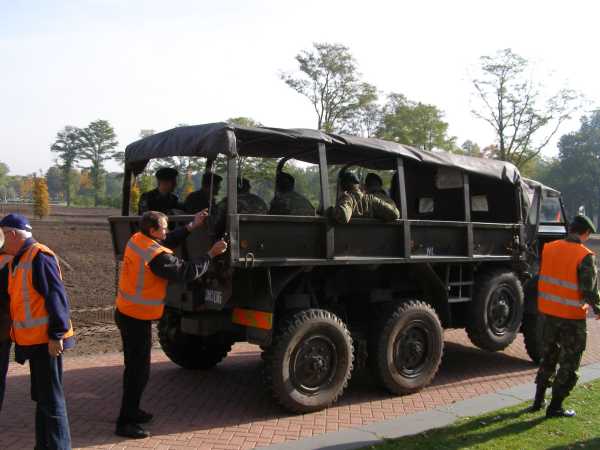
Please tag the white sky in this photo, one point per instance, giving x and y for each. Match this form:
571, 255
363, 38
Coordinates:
153, 64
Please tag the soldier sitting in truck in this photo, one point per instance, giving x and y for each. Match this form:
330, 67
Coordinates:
200, 200
287, 201
374, 186
354, 202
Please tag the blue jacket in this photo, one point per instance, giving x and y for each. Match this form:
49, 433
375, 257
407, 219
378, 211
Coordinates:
47, 282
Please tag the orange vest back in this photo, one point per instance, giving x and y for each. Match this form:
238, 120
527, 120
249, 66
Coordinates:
27, 306
141, 294
558, 286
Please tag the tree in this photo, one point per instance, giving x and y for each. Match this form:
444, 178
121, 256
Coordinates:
577, 174
134, 198
244, 122
68, 145
99, 140
470, 148
364, 118
329, 78
55, 180
26, 186
523, 119
415, 123
41, 204
4, 170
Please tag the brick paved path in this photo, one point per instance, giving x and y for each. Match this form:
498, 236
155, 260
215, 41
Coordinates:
227, 408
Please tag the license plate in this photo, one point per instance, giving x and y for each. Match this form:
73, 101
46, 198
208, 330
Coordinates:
213, 297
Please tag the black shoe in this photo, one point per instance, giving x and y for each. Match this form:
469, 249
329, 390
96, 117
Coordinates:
131, 430
142, 417
550, 412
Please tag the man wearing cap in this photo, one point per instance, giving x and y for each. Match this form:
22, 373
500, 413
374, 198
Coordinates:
5, 342
200, 200
287, 201
148, 266
162, 198
567, 289
355, 203
41, 326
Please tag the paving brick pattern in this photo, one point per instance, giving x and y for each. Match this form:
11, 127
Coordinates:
227, 407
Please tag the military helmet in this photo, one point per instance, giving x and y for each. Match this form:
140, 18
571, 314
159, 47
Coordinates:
349, 178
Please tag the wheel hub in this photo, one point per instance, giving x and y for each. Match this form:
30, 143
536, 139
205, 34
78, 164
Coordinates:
411, 350
501, 311
313, 365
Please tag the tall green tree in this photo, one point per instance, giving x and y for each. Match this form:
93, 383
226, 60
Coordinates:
415, 123
68, 145
328, 76
577, 174
54, 181
99, 140
522, 117
365, 116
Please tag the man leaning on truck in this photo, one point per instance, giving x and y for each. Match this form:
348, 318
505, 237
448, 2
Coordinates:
148, 265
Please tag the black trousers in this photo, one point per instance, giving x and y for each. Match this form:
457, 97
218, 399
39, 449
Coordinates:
137, 343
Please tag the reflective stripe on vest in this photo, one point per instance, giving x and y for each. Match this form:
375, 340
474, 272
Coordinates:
141, 294
558, 288
27, 329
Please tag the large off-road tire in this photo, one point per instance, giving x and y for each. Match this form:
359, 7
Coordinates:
407, 347
310, 361
187, 350
496, 311
533, 335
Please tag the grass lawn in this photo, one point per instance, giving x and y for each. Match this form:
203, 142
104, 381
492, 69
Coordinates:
515, 429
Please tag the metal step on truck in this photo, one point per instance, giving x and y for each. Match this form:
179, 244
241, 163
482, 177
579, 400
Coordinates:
324, 299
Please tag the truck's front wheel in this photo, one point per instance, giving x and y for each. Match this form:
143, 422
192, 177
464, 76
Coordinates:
407, 348
310, 362
187, 350
496, 310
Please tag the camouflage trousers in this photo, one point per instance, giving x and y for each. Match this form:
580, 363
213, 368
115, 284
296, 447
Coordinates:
564, 343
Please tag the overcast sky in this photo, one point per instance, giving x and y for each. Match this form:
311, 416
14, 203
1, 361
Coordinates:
154, 64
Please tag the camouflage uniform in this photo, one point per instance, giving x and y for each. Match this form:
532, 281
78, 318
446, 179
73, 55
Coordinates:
355, 203
565, 339
382, 195
291, 203
247, 203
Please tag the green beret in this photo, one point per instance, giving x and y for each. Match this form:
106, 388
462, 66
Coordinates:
584, 221
166, 174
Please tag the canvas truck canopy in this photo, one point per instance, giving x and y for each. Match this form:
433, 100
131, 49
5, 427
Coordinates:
211, 140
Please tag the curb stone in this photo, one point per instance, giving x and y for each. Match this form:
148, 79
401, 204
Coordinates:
378, 432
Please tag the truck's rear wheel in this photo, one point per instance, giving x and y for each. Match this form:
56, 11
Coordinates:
310, 362
533, 335
187, 350
407, 348
496, 310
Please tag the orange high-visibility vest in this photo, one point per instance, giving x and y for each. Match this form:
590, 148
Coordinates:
141, 293
558, 286
27, 306
4, 260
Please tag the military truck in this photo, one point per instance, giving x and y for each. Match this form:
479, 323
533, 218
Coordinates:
323, 299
